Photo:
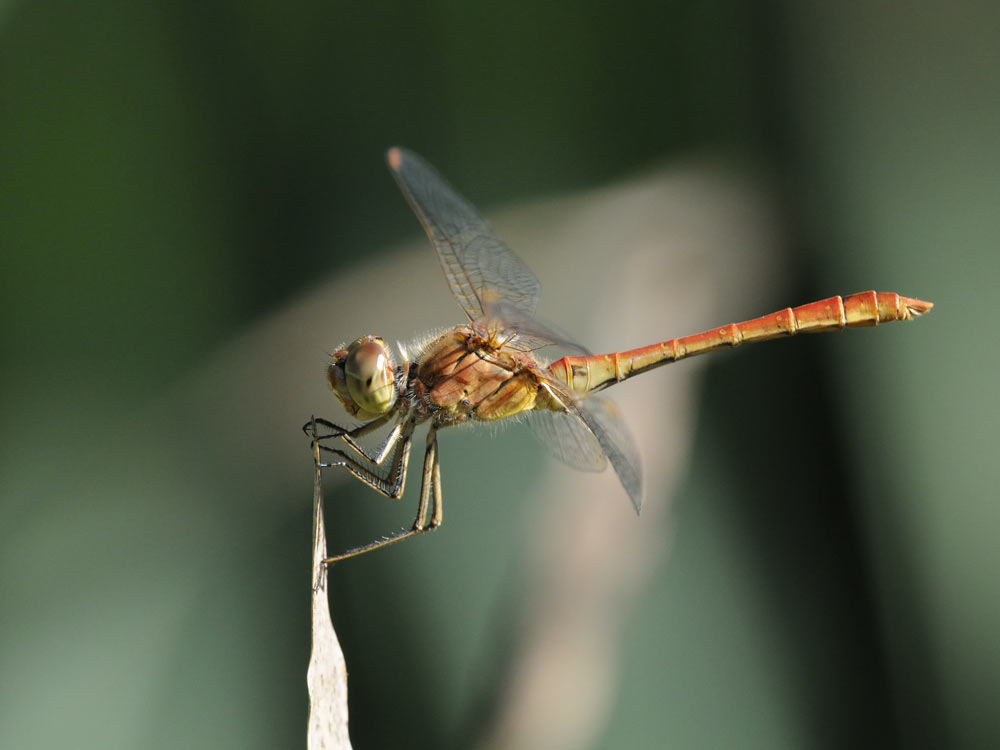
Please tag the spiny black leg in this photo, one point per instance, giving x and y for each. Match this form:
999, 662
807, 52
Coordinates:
430, 490
392, 482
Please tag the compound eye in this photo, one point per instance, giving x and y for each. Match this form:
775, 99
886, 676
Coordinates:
368, 374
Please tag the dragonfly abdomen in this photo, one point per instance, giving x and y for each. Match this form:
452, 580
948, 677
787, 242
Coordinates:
596, 372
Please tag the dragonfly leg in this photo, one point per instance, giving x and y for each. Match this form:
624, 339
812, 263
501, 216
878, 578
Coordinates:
430, 501
364, 467
348, 436
378, 456
336, 430
309, 428
430, 488
438, 508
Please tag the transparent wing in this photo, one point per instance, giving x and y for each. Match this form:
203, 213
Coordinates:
604, 419
529, 333
474, 261
588, 434
568, 438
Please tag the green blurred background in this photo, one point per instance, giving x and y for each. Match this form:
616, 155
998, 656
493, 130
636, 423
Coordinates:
174, 173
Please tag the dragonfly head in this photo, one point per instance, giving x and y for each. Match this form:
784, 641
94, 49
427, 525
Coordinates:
362, 377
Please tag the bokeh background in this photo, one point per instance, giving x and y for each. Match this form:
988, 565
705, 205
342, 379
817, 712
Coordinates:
176, 177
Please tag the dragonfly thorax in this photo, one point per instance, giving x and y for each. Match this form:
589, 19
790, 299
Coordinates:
363, 377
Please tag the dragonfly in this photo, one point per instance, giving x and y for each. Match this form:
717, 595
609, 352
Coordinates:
492, 367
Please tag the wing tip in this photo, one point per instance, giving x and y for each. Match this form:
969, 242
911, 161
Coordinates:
394, 158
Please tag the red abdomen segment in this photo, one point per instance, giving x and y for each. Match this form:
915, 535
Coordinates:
598, 371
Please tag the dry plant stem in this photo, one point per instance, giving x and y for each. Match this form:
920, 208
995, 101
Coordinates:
327, 675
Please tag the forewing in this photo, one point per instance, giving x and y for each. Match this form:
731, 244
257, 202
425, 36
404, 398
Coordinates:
474, 261
529, 333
